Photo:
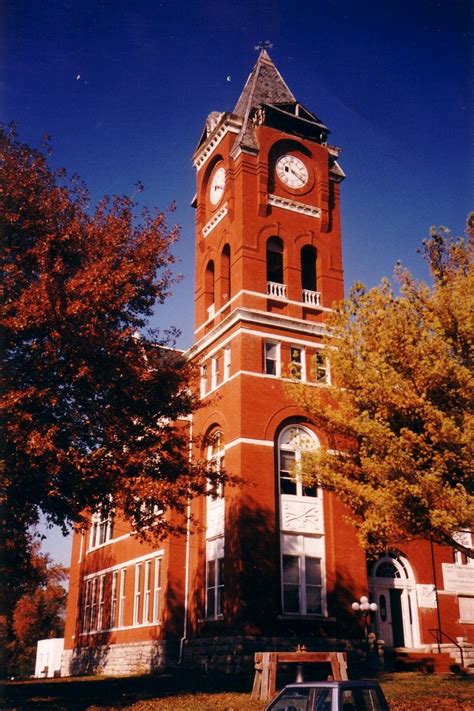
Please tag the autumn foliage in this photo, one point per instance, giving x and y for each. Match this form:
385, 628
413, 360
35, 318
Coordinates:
38, 612
399, 415
92, 404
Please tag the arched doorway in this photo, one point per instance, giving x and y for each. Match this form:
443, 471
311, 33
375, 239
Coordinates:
393, 588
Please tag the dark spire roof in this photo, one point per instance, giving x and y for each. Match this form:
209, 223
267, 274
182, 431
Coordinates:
265, 85
265, 88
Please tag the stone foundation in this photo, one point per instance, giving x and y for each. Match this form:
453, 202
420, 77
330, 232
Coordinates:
119, 659
227, 655
233, 655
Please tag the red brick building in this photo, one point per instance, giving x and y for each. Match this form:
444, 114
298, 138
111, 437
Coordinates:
274, 562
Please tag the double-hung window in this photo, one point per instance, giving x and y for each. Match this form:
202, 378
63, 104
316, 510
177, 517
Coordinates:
215, 577
297, 370
271, 358
302, 574
321, 368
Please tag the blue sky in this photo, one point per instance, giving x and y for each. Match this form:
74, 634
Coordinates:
124, 88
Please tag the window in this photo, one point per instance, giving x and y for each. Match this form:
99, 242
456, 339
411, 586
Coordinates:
293, 442
113, 599
203, 380
321, 368
215, 577
93, 606
225, 272
137, 595
227, 361
209, 289
147, 592
297, 363
123, 578
100, 615
214, 372
272, 358
302, 576
215, 455
308, 268
302, 584
102, 529
465, 539
87, 606
275, 260
157, 590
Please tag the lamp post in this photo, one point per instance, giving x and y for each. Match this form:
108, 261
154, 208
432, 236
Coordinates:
364, 607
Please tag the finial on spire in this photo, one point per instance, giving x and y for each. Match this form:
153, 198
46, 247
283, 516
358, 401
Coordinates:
263, 44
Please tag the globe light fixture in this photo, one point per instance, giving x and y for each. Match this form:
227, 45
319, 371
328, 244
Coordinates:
364, 607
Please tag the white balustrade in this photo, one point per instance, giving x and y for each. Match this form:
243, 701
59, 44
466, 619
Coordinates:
311, 298
277, 291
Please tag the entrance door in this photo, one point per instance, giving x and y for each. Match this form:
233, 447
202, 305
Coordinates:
389, 616
394, 591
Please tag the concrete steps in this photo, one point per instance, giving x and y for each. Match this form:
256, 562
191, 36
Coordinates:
447, 658
411, 660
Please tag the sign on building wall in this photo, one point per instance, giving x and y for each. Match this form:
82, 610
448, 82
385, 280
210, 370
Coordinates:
458, 578
426, 596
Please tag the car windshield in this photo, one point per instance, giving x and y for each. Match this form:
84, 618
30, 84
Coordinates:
301, 700
292, 700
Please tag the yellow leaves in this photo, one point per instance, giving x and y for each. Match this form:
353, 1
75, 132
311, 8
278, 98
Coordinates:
402, 401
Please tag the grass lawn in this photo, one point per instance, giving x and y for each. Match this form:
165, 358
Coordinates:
405, 692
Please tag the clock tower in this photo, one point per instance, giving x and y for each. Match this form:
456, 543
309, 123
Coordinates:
272, 561
268, 269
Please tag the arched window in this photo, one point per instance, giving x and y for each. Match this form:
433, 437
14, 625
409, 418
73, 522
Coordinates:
215, 542
209, 287
308, 268
215, 455
275, 260
301, 528
225, 272
293, 441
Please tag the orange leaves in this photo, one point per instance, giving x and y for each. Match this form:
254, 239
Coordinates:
83, 397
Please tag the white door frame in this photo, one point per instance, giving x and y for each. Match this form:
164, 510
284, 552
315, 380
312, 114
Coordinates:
404, 581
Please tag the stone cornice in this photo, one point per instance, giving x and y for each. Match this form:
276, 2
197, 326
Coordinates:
261, 318
294, 206
229, 125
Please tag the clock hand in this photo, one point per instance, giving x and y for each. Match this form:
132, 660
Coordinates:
297, 173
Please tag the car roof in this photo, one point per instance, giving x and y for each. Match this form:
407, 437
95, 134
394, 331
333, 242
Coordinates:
335, 684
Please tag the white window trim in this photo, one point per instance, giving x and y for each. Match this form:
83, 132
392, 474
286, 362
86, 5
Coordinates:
227, 363
114, 598
277, 361
299, 486
298, 549
137, 594
301, 363
214, 372
157, 590
100, 608
147, 592
122, 596
215, 551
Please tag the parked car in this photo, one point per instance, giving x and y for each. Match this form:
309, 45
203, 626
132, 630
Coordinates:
330, 696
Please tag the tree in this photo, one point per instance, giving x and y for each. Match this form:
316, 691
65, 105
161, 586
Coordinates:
399, 418
92, 411
38, 612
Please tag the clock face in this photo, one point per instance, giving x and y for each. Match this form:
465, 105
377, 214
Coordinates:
292, 171
217, 186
